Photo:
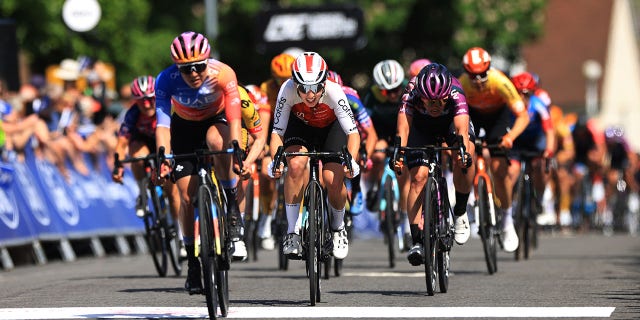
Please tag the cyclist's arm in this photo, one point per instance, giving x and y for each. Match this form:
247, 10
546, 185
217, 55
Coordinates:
342, 109
461, 124
281, 114
229, 84
364, 122
517, 107
405, 119
547, 127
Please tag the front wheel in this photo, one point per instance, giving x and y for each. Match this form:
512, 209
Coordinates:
209, 212
389, 221
486, 227
429, 237
155, 233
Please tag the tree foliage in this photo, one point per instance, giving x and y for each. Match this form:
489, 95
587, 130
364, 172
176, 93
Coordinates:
135, 35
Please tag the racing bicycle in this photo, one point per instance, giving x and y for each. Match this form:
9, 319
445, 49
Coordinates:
215, 244
161, 231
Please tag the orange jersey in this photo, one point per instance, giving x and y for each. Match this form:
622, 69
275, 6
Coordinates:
493, 94
217, 94
270, 89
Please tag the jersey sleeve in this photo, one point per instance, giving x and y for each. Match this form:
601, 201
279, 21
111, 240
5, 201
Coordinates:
338, 101
163, 99
282, 111
510, 95
250, 116
229, 84
128, 124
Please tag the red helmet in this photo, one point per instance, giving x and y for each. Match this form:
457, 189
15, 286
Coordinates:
143, 87
190, 47
524, 82
476, 60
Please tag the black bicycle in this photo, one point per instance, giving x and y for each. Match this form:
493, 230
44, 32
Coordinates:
215, 244
315, 234
438, 231
526, 204
161, 231
279, 224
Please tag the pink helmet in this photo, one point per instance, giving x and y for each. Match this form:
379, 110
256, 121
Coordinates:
190, 47
334, 76
143, 87
416, 66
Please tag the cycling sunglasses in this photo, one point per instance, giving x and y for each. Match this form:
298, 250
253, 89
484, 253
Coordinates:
315, 88
481, 77
191, 67
386, 92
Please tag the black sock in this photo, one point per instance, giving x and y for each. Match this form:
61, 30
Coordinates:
416, 233
191, 252
461, 203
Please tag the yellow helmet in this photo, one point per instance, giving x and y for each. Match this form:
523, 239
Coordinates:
281, 65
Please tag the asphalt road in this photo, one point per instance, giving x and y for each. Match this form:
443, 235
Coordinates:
586, 276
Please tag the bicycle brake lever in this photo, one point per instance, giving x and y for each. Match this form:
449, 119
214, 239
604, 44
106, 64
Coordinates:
347, 159
160, 157
237, 152
276, 160
116, 163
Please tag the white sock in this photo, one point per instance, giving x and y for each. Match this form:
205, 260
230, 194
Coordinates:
508, 218
337, 221
293, 211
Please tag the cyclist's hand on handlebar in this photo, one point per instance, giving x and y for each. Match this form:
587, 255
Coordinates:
398, 165
165, 170
548, 153
507, 142
465, 160
117, 175
355, 167
245, 171
274, 173
367, 166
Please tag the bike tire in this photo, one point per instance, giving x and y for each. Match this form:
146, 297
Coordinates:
429, 237
155, 232
389, 226
280, 227
337, 267
207, 250
312, 237
171, 236
445, 233
519, 216
489, 244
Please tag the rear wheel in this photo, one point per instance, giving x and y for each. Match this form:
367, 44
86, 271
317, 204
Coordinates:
280, 230
486, 228
429, 208
519, 216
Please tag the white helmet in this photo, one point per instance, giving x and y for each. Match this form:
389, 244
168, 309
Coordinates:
309, 68
388, 74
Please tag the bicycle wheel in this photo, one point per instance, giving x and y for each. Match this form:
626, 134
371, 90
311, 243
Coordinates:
280, 227
312, 243
337, 267
208, 218
171, 236
154, 232
445, 233
429, 237
486, 227
389, 225
519, 215
527, 228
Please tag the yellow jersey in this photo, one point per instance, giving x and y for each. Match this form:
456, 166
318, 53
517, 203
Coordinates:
493, 94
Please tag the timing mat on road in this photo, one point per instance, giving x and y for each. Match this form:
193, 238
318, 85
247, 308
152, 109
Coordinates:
305, 312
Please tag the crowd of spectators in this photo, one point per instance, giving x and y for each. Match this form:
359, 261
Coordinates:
68, 117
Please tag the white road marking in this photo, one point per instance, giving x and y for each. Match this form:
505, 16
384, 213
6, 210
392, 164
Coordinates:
305, 312
384, 274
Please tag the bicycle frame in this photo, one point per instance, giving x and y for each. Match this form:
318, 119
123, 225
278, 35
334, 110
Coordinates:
315, 232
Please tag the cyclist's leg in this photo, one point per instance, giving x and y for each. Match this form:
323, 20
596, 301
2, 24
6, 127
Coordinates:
372, 177
267, 205
138, 148
294, 182
333, 177
218, 138
462, 182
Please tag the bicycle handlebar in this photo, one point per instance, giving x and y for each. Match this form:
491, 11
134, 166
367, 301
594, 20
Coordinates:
117, 163
460, 148
200, 153
344, 155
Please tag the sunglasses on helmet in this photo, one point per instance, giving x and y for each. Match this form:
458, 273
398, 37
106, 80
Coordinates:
192, 67
315, 88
